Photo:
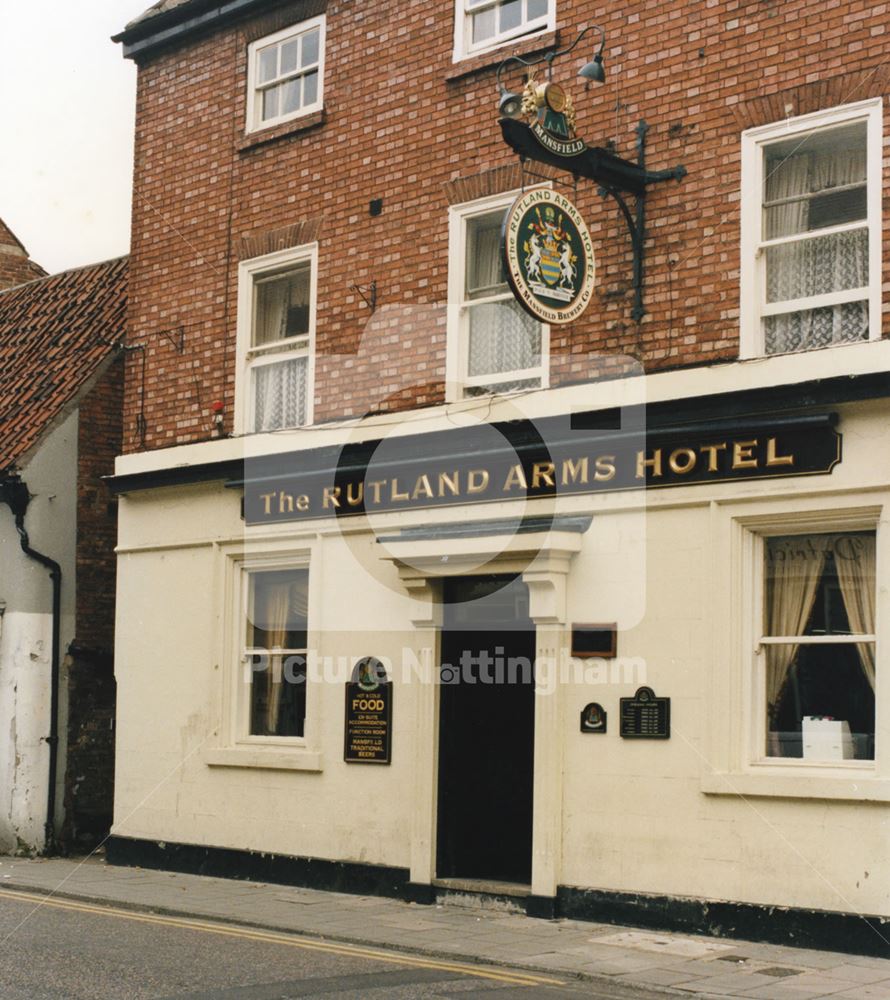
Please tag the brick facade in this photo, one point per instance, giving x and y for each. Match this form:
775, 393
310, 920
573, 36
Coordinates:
401, 122
16, 267
89, 778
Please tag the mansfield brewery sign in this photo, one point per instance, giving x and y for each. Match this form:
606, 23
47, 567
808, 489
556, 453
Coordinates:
548, 255
528, 460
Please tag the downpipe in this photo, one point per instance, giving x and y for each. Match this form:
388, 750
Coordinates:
14, 493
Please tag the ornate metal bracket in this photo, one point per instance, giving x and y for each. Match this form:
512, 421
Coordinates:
613, 176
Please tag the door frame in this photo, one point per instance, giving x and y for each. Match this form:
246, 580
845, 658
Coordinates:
543, 559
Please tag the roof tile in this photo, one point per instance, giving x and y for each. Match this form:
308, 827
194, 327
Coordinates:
55, 334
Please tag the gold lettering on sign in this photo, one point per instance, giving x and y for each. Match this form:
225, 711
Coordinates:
682, 460
644, 463
515, 477
574, 472
743, 454
285, 503
605, 468
267, 499
452, 483
331, 497
542, 471
772, 458
422, 488
394, 492
355, 493
375, 488
477, 480
302, 503
712, 450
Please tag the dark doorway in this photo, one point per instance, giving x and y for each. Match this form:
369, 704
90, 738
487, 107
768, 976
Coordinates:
486, 731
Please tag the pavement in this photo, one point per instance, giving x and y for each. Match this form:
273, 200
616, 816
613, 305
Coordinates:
679, 963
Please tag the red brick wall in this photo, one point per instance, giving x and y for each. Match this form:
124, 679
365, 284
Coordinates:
16, 267
99, 442
89, 772
400, 126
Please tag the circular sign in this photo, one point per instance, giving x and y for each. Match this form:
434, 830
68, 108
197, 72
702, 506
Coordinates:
549, 256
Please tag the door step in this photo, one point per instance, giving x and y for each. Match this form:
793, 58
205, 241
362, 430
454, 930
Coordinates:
482, 894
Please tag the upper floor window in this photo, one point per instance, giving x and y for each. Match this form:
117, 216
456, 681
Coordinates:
485, 24
276, 326
285, 74
811, 242
494, 345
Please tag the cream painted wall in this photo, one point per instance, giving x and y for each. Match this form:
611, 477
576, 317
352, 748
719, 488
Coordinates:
638, 816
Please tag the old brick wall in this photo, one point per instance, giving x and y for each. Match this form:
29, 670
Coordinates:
15, 266
89, 778
403, 123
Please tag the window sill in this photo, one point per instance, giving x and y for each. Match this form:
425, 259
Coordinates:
858, 785
296, 759
282, 131
523, 46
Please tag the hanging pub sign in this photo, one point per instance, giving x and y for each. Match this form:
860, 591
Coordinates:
368, 726
551, 117
548, 256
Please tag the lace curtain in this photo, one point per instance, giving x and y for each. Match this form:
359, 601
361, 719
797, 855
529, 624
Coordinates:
280, 394
503, 338
818, 264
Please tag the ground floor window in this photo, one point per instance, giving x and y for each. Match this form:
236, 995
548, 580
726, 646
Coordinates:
818, 646
275, 637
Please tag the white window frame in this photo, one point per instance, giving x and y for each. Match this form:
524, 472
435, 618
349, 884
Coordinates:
246, 356
753, 305
734, 758
463, 38
255, 120
234, 744
457, 355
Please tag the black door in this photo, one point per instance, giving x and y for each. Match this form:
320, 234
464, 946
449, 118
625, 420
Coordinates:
486, 731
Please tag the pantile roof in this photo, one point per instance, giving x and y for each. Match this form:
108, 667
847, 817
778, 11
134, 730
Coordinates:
55, 334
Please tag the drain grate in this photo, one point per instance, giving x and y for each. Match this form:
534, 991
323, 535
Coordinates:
778, 972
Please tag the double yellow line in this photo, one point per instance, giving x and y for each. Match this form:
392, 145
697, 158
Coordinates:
288, 940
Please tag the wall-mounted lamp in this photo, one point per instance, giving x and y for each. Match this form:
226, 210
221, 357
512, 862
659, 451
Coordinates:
549, 137
510, 103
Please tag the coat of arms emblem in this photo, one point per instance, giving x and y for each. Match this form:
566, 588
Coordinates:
548, 254
550, 261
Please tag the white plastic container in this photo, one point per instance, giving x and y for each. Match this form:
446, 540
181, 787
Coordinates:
826, 739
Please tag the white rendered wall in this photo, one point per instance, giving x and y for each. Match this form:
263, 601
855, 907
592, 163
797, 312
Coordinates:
26, 638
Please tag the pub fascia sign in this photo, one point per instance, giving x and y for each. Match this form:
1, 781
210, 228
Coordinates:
808, 446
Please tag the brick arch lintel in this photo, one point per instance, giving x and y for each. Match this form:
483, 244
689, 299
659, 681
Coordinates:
495, 180
819, 95
294, 235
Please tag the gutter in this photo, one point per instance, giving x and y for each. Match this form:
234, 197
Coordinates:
174, 25
14, 493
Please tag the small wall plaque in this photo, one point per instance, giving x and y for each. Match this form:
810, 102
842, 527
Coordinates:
368, 726
594, 640
645, 717
593, 718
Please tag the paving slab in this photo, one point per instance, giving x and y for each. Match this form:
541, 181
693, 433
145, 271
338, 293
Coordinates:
672, 964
